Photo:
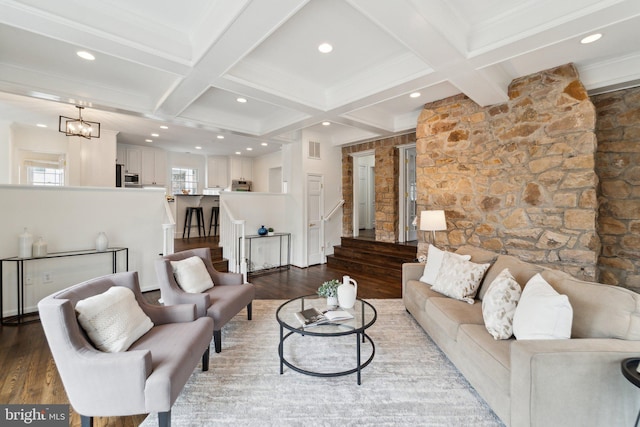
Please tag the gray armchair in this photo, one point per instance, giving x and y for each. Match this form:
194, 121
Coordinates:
221, 303
146, 378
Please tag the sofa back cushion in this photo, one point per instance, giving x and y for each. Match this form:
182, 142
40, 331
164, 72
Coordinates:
520, 270
478, 255
599, 311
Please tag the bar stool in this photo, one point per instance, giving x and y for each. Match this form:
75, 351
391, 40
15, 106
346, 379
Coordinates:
215, 212
199, 218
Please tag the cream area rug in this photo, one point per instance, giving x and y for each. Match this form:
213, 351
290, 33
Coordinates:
410, 382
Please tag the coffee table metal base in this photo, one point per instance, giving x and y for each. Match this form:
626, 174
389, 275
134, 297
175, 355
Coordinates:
359, 363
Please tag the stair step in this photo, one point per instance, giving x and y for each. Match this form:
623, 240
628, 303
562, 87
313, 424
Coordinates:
363, 268
401, 250
221, 265
374, 258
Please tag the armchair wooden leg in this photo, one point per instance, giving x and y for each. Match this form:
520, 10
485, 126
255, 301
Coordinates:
217, 340
86, 421
249, 311
164, 419
205, 360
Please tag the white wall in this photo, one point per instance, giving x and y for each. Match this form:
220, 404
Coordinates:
70, 218
89, 162
261, 168
5, 152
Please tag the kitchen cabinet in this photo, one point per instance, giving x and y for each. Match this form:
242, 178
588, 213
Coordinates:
153, 167
133, 164
121, 155
217, 172
241, 168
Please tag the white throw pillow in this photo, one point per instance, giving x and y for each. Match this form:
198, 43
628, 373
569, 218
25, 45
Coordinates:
499, 305
542, 313
192, 275
113, 320
434, 261
459, 278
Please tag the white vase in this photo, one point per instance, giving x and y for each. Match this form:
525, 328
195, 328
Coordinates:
332, 302
39, 248
347, 292
102, 243
25, 244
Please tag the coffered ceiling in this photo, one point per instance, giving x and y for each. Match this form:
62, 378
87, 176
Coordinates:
185, 64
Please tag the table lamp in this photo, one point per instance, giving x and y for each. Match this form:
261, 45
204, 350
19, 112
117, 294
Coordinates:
433, 221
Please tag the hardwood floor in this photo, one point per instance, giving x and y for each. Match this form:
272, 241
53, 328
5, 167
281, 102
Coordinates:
29, 374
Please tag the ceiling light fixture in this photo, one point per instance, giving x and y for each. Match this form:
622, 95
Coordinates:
164, 127
325, 48
415, 95
198, 147
148, 140
85, 55
41, 125
592, 38
79, 127
155, 135
220, 137
241, 100
238, 153
249, 149
264, 144
326, 123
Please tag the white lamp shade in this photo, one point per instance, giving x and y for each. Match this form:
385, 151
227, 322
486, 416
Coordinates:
432, 220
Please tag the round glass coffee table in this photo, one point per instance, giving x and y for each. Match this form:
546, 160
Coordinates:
364, 315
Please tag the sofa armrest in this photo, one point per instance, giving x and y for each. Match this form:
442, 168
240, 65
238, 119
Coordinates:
573, 382
411, 271
161, 315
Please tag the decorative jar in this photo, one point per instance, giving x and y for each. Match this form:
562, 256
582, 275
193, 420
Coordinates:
102, 243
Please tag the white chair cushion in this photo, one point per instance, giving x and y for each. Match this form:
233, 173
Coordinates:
434, 261
113, 320
499, 305
459, 278
542, 313
192, 275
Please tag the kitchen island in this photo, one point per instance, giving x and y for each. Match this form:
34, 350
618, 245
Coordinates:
184, 201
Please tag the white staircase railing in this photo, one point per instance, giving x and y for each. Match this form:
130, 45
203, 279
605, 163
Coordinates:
168, 231
334, 210
232, 240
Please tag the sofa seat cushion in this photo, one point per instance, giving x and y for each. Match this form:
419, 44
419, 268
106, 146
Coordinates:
489, 356
175, 349
227, 301
450, 313
419, 292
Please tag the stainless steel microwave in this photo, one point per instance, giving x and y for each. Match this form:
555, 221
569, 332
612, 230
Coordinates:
131, 179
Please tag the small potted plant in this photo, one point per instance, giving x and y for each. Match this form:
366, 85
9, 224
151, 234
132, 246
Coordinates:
270, 231
329, 290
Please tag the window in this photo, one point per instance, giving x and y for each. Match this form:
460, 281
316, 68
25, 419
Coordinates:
184, 179
38, 175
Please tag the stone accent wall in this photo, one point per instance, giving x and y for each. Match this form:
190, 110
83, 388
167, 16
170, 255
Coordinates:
516, 177
618, 166
386, 185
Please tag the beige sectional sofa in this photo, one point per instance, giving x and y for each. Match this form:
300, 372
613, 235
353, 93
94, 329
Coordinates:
566, 382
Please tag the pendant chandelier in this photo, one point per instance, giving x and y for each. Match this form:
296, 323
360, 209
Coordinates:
79, 127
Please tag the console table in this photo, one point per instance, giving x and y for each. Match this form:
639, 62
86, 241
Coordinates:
23, 317
284, 261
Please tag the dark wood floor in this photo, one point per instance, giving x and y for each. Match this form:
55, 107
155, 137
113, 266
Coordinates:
29, 375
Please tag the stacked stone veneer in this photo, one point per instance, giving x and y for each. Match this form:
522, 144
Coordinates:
618, 166
386, 185
518, 177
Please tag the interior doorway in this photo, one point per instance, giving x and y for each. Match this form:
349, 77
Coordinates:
408, 192
315, 229
364, 207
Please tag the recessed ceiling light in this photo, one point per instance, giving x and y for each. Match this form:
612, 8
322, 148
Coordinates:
264, 144
198, 147
592, 38
148, 140
415, 95
325, 48
220, 136
155, 135
238, 153
41, 125
326, 123
164, 127
85, 55
241, 100
249, 149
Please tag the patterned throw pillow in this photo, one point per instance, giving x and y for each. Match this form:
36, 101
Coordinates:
459, 278
434, 262
499, 305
